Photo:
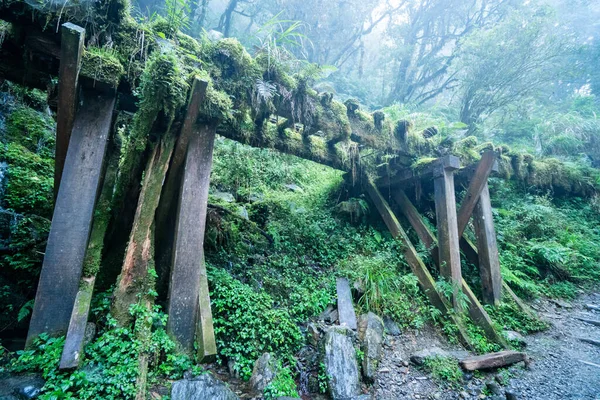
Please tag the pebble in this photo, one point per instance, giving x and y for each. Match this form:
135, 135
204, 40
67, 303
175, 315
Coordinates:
464, 395
384, 370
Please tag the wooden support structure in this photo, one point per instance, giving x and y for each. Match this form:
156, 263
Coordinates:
72, 219
189, 302
71, 51
74, 341
487, 249
447, 228
346, 313
414, 261
476, 310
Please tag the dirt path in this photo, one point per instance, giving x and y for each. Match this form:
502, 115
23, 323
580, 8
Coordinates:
556, 371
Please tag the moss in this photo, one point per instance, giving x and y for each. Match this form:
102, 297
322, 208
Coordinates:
333, 121
352, 106
102, 65
5, 29
417, 145
317, 146
466, 149
32, 129
422, 162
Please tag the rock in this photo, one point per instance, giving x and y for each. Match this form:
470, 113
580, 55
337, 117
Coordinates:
384, 370
514, 336
494, 388
313, 334
214, 36
511, 395
370, 334
265, 369
464, 395
205, 386
223, 196
339, 358
391, 327
294, 188
232, 370
561, 304
243, 212
419, 357
27, 386
90, 333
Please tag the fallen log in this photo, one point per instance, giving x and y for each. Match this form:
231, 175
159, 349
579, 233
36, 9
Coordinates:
492, 360
346, 312
588, 321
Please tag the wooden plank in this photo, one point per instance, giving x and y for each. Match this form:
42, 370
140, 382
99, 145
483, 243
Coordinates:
492, 360
487, 249
74, 342
447, 230
72, 220
414, 261
188, 270
346, 313
476, 310
72, 37
73, 349
166, 214
476, 186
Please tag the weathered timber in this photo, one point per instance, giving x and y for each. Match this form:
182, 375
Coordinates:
487, 249
591, 341
346, 313
476, 310
166, 215
68, 74
72, 219
476, 186
405, 176
134, 279
492, 360
188, 269
205, 334
74, 341
414, 261
588, 321
73, 349
447, 230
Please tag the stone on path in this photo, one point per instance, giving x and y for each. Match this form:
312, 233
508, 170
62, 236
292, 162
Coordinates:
264, 372
27, 386
419, 357
514, 336
340, 363
346, 313
391, 327
492, 360
370, 334
203, 387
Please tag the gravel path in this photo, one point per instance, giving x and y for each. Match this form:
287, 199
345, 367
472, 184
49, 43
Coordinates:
557, 370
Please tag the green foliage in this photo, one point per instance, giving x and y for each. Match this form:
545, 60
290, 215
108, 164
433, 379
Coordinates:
103, 65
445, 370
510, 317
282, 385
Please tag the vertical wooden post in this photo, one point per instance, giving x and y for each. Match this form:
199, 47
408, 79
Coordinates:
72, 219
445, 208
189, 302
71, 50
487, 248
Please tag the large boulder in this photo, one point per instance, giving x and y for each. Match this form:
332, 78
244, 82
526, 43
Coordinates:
419, 357
265, 369
341, 368
370, 334
202, 387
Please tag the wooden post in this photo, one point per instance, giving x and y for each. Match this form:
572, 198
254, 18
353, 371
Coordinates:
487, 248
445, 208
414, 261
476, 310
476, 186
72, 37
188, 275
72, 219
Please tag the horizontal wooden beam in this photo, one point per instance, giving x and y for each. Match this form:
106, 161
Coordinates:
404, 176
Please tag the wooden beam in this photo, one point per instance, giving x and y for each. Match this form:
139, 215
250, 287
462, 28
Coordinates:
72, 220
188, 271
447, 230
406, 175
487, 249
492, 360
414, 261
476, 310
346, 313
72, 37
73, 349
476, 186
